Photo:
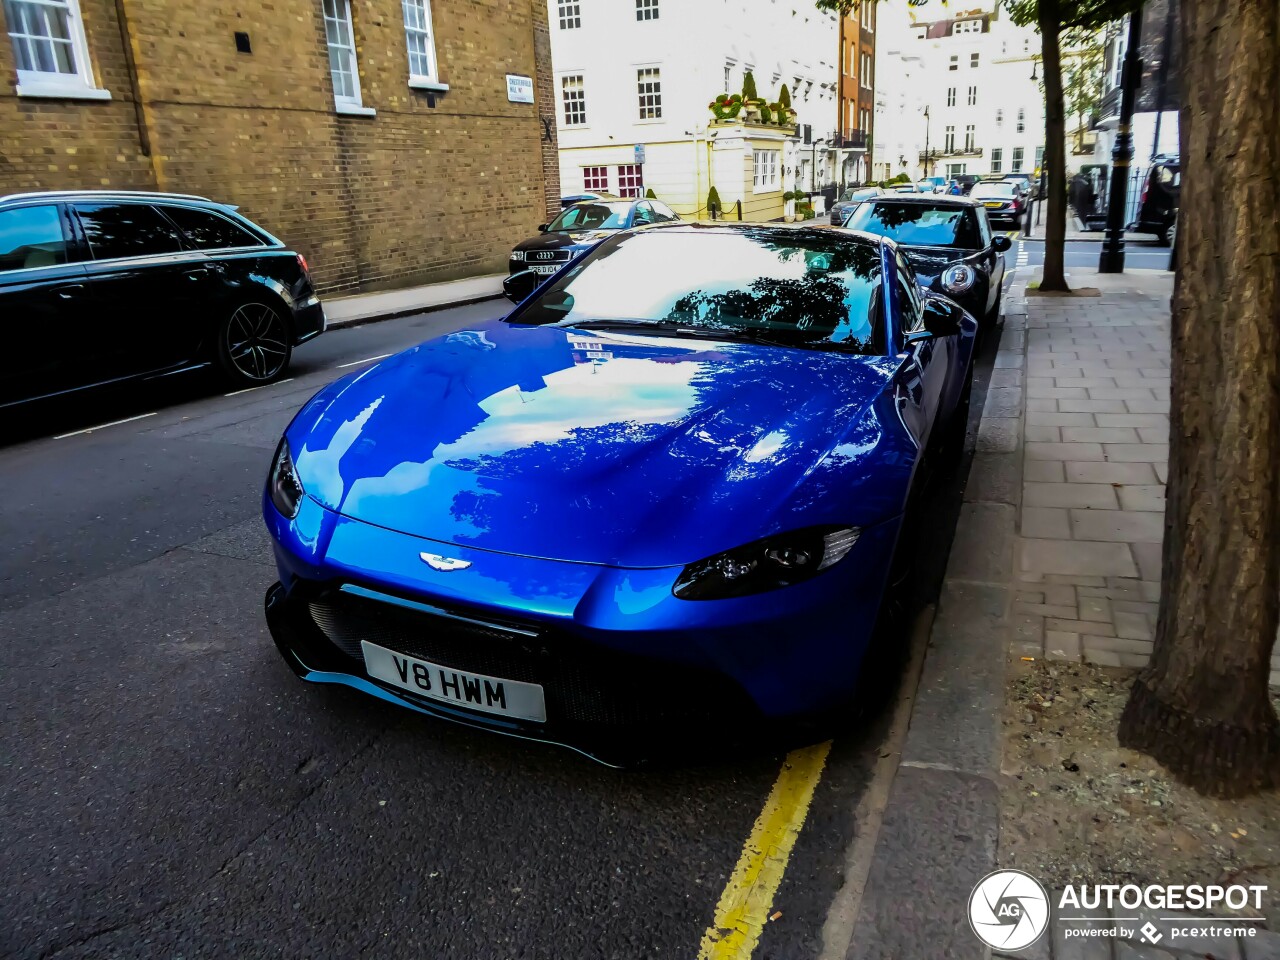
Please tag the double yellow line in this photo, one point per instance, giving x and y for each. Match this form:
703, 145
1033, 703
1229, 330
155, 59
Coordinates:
744, 906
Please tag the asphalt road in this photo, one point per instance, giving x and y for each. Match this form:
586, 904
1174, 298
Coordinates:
168, 788
1140, 254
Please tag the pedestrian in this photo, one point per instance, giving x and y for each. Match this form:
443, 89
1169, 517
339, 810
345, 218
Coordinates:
955, 189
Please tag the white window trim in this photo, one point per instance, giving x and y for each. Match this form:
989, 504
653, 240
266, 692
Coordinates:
348, 106
773, 184
564, 116
420, 81
67, 86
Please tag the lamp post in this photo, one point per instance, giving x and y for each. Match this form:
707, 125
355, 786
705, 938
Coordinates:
1111, 260
927, 172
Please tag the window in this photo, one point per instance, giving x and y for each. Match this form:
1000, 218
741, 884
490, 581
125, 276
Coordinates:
570, 13
662, 213
949, 141
910, 303
955, 62
999, 116
649, 84
1039, 156
973, 61
50, 49
866, 70
951, 96
574, 97
969, 138
207, 230
1022, 120
766, 170
646, 9
997, 159
417, 34
595, 178
630, 180
973, 96
342, 56
868, 16
967, 26
728, 75
31, 237
1015, 163
865, 121
126, 230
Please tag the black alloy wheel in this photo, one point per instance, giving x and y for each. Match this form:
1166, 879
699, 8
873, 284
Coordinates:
254, 344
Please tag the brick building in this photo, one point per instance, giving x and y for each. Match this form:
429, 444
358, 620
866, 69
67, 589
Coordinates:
857, 92
381, 138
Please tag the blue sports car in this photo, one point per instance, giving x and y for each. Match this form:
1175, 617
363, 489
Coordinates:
663, 494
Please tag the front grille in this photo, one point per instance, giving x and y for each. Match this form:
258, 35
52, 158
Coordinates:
547, 256
582, 682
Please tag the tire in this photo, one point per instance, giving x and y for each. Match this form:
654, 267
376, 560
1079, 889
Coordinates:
255, 344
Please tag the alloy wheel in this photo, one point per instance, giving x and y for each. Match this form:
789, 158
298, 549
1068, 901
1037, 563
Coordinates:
256, 342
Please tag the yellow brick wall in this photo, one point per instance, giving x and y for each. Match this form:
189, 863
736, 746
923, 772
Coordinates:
415, 194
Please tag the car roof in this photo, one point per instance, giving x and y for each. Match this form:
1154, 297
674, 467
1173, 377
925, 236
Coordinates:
68, 196
773, 229
933, 199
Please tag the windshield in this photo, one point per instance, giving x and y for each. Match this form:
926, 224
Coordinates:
1002, 190
801, 288
591, 216
919, 224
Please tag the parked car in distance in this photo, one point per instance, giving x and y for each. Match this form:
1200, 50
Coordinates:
966, 181
1024, 181
569, 199
1004, 201
1158, 204
949, 243
98, 287
932, 184
662, 497
849, 198
580, 227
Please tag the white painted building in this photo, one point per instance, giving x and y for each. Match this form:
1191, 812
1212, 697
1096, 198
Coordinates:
972, 72
633, 80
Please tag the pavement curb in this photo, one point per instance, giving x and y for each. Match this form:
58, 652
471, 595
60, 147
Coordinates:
941, 826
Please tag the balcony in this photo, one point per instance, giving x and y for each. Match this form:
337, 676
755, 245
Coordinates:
853, 140
955, 153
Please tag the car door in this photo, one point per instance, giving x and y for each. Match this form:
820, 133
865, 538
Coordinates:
929, 359
45, 312
156, 297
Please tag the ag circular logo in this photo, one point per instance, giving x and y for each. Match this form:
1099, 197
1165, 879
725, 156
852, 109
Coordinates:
1008, 910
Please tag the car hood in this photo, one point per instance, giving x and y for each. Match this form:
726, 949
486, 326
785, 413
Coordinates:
929, 262
605, 448
557, 241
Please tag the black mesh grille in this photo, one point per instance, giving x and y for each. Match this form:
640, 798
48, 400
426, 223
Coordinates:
582, 683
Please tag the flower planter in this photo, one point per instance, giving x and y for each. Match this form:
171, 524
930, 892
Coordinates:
789, 211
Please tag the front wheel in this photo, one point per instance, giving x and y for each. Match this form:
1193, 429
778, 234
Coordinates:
254, 344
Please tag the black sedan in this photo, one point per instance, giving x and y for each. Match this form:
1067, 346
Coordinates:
569, 199
100, 287
1003, 200
580, 227
949, 242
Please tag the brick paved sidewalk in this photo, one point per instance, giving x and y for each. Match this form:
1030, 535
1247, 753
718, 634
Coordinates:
1091, 514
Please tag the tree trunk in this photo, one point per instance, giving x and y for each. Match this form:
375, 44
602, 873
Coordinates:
1049, 18
1200, 707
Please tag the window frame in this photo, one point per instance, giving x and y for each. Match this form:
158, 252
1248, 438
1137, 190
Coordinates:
970, 137
951, 96
421, 81
580, 102
655, 69
646, 10
949, 138
765, 170
631, 181
80, 85
589, 178
349, 105
1017, 159
165, 209
973, 95
1022, 120
569, 13
79, 211
997, 159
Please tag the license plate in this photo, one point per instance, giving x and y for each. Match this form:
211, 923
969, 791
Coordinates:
545, 268
996, 204
508, 698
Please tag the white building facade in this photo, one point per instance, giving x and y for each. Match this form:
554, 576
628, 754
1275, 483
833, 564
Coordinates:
633, 80
971, 105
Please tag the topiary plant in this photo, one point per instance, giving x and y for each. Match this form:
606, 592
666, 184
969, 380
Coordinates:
749, 87
650, 194
784, 97
713, 200
765, 112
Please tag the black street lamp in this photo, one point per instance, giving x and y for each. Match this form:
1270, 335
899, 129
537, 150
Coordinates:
1111, 260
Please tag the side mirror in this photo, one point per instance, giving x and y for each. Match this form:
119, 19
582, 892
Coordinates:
518, 286
1001, 243
941, 319
542, 227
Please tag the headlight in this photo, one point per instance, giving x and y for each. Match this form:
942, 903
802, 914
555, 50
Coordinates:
283, 483
517, 254
957, 278
766, 564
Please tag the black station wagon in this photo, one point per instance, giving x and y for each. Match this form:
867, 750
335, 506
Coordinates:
98, 287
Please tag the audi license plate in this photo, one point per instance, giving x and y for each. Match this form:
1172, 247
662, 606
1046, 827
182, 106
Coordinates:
508, 698
545, 268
